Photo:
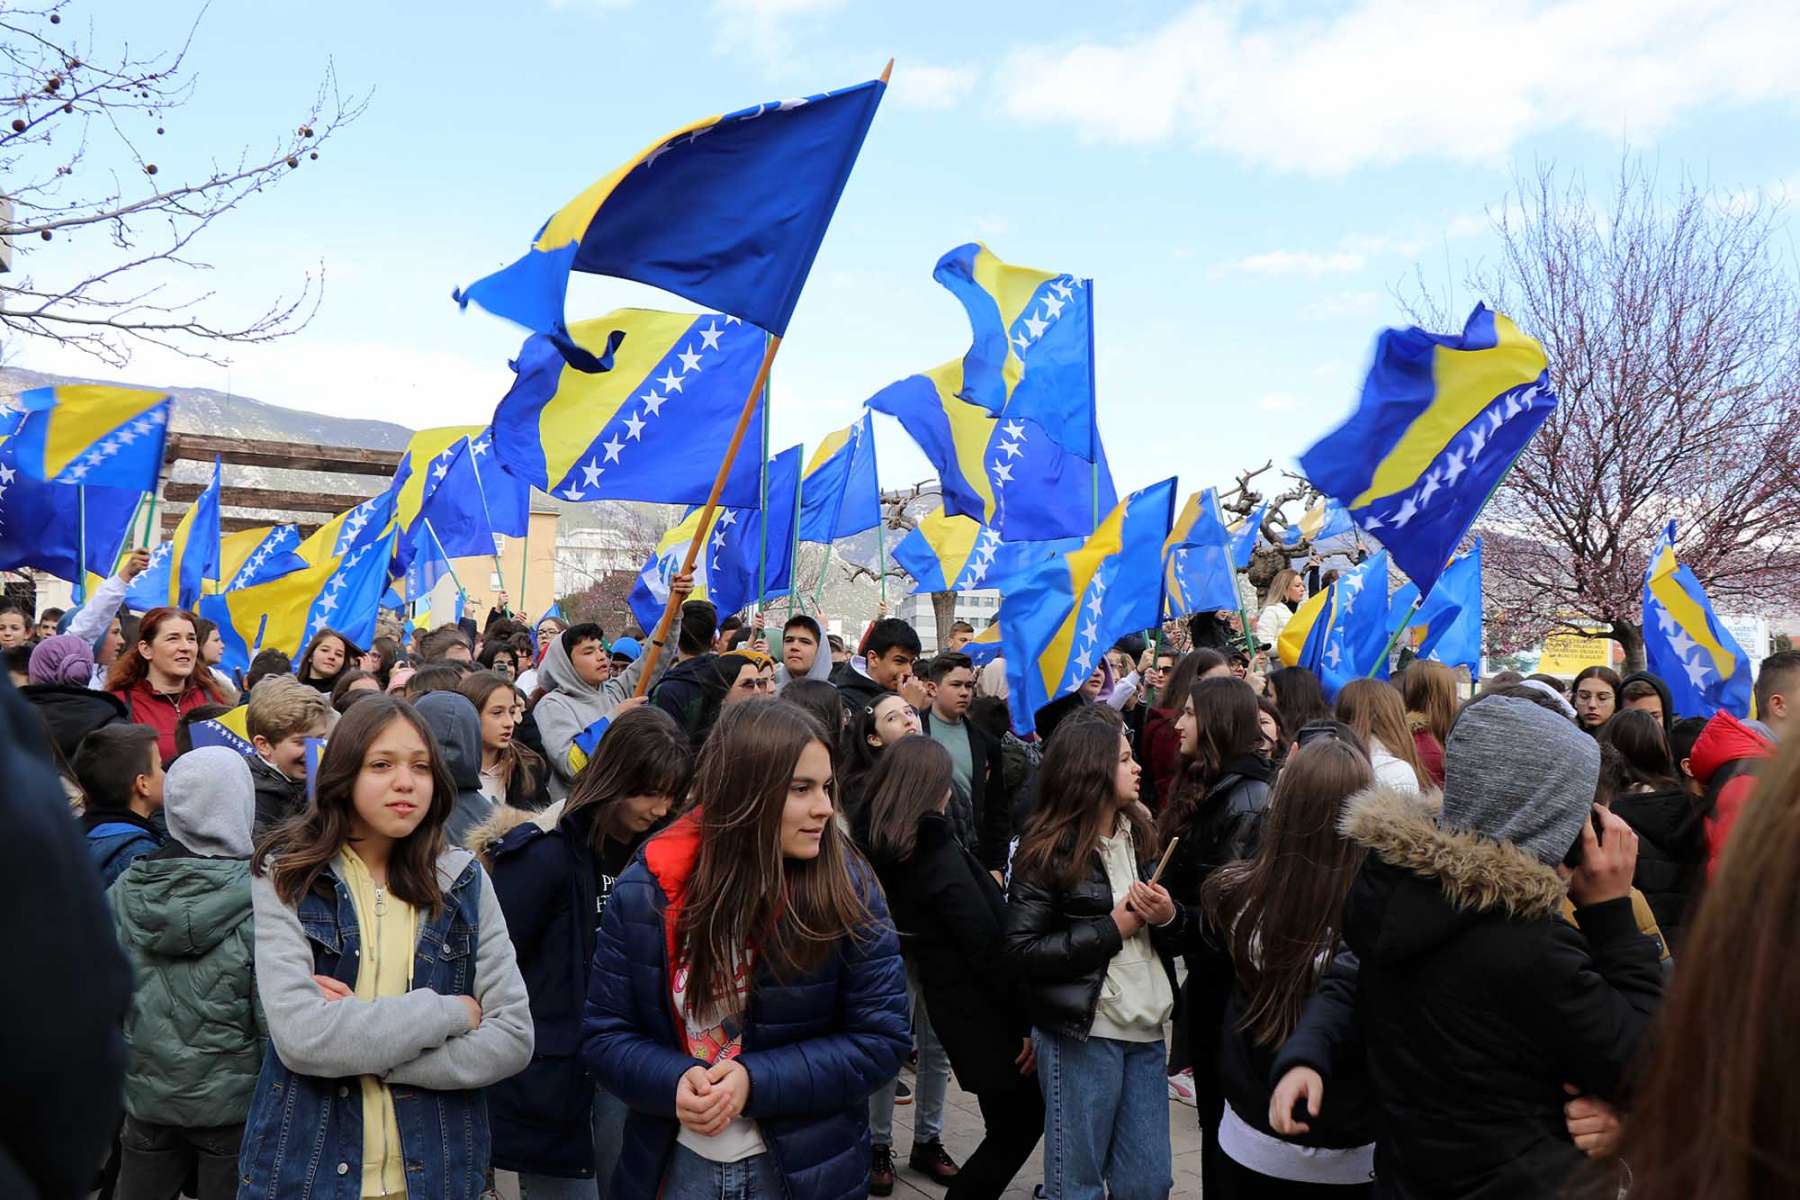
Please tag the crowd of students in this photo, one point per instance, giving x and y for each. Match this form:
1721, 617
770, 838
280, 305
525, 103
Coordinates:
469, 911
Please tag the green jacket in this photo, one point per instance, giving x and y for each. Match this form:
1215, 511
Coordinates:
195, 1034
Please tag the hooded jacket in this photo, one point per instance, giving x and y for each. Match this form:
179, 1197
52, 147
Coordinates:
852, 679
815, 1046
821, 664
195, 1034
569, 706
457, 727
1724, 759
116, 836
72, 712
1476, 1002
1671, 861
1662, 690
691, 692
277, 796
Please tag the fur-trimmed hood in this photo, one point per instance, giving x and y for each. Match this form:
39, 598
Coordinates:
1474, 877
503, 820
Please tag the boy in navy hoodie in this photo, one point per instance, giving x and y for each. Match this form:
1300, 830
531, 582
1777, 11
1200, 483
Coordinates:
121, 777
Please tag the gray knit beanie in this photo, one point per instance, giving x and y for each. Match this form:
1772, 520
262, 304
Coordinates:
1516, 772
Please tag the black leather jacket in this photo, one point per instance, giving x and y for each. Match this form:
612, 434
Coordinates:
1061, 940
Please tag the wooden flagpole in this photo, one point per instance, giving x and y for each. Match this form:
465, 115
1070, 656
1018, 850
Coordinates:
654, 650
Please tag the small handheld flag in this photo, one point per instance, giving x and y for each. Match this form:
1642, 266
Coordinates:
1198, 573
1341, 633
839, 496
587, 744
1450, 616
1685, 643
229, 729
195, 557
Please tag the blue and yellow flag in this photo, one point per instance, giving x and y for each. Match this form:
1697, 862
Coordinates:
1441, 419
1685, 643
41, 523
839, 496
587, 744
91, 433
506, 497
727, 211
254, 556
1447, 626
426, 565
726, 571
1033, 348
228, 729
653, 428
1341, 633
194, 548
1244, 532
371, 519
984, 647
946, 553
1198, 570
1004, 471
1323, 521
342, 594
1057, 620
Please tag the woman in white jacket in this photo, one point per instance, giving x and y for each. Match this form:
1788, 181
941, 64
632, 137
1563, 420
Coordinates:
1374, 710
1286, 593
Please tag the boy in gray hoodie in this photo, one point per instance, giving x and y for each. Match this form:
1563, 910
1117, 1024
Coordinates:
578, 673
195, 1033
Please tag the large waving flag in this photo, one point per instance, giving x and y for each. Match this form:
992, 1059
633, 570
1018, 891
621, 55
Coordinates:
426, 565
1441, 419
1244, 532
343, 533
41, 523
1004, 471
652, 428
946, 553
1684, 642
1341, 633
1198, 570
507, 498
1450, 618
725, 573
254, 556
1058, 619
343, 594
91, 433
453, 507
727, 211
839, 496
195, 554
1032, 353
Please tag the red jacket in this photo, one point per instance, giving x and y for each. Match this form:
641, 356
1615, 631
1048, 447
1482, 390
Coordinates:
1430, 753
1159, 745
144, 705
1725, 740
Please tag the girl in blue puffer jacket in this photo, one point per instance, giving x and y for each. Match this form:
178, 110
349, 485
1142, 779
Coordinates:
747, 993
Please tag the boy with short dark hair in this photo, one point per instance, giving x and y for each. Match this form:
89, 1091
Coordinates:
577, 670
885, 664
282, 714
120, 772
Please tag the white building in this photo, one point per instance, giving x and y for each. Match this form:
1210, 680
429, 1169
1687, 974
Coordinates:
977, 608
586, 556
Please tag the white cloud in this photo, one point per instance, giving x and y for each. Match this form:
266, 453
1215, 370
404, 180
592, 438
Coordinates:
1384, 81
764, 27
918, 85
1298, 262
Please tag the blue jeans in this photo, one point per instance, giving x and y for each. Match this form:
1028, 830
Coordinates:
1106, 1118
932, 1078
691, 1177
609, 1134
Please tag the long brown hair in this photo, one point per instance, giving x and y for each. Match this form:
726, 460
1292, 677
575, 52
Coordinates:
1374, 710
1078, 804
1182, 675
517, 759
1718, 1111
913, 778
742, 892
1281, 908
1430, 691
132, 668
644, 753
303, 664
1225, 709
295, 853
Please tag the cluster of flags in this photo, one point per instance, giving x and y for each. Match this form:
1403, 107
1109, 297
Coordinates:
729, 212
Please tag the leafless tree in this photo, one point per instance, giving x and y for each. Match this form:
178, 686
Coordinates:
1672, 326
80, 144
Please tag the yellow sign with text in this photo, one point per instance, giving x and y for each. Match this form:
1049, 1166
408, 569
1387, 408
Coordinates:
1573, 653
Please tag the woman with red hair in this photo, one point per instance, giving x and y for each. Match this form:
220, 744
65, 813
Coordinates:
159, 679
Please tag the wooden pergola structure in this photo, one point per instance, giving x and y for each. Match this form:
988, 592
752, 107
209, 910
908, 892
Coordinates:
308, 508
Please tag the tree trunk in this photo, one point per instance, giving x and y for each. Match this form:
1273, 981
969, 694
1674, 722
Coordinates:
943, 607
1631, 637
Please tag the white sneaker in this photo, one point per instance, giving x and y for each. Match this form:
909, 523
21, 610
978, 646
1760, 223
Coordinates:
1181, 1087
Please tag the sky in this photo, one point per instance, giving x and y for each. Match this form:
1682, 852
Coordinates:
1248, 184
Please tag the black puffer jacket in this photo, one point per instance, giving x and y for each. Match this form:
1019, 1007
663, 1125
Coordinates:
1476, 1002
72, 712
1327, 1033
951, 918
1062, 939
1671, 861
